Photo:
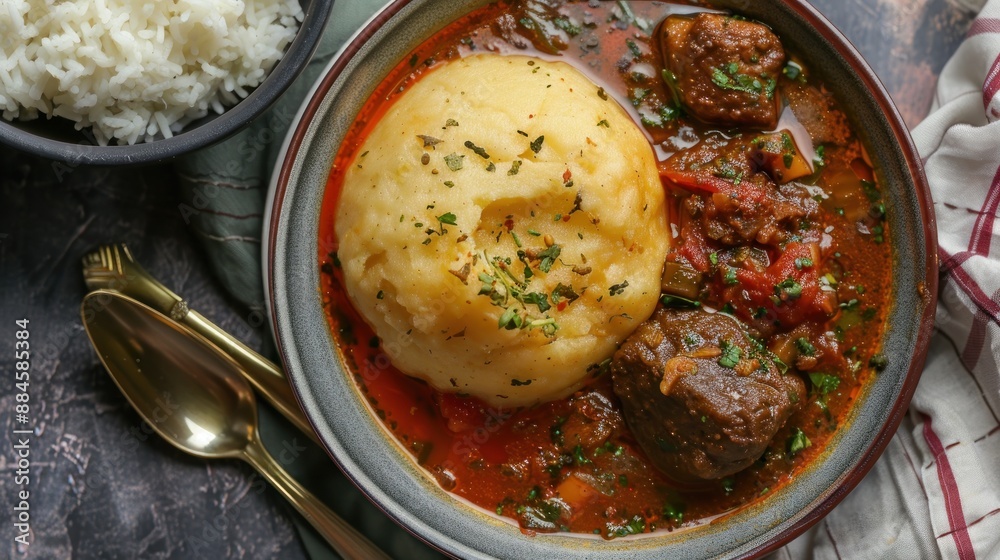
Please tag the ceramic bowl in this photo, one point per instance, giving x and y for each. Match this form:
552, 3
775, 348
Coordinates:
58, 140
392, 480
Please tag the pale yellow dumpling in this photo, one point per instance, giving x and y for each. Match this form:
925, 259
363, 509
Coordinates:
503, 228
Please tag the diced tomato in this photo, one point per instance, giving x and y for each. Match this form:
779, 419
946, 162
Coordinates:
791, 293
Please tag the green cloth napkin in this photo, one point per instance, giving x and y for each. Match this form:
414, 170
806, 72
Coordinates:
223, 190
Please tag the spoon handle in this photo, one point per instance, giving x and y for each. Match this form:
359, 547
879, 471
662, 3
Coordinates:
345, 540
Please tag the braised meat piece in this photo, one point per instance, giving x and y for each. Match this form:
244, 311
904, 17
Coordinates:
742, 201
701, 398
726, 69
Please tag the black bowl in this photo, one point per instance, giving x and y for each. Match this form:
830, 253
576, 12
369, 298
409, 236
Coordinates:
57, 139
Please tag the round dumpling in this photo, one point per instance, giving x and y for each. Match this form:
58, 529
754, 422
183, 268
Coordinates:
503, 229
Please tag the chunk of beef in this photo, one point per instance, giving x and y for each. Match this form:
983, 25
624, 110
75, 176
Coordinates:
726, 69
701, 399
742, 202
819, 115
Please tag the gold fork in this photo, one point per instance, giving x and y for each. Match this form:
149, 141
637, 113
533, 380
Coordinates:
113, 267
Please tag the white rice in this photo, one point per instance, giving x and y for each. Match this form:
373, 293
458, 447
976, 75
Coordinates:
137, 70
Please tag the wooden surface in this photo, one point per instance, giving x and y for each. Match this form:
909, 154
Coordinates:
100, 486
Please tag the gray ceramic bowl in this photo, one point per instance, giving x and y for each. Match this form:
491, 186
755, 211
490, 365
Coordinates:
58, 140
387, 475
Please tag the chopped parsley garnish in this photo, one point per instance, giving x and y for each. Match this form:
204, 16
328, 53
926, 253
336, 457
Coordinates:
449, 184
674, 511
731, 354
604, 123
824, 383
536, 144
878, 362
481, 152
633, 48
678, 302
447, 218
788, 289
618, 288
549, 257
539, 299
563, 292
729, 276
871, 190
515, 166
798, 442
451, 122
728, 77
805, 347
792, 71
820, 160
566, 25
510, 319
454, 161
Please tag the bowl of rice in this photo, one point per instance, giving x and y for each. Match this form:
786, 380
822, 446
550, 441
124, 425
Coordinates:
119, 82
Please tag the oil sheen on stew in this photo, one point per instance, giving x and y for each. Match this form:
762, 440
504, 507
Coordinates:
778, 278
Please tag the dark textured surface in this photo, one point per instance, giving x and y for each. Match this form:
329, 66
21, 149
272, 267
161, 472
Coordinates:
100, 487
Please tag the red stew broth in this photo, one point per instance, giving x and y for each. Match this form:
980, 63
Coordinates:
512, 461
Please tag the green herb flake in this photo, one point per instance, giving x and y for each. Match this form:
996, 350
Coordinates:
805, 347
380, 295
454, 161
450, 122
536, 144
563, 292
510, 319
481, 152
449, 184
788, 289
548, 257
824, 383
871, 190
618, 288
534, 233
539, 299
447, 218
731, 354
798, 442
491, 168
729, 276
515, 166
803, 262
792, 71
633, 48
566, 25
878, 362
604, 123
674, 511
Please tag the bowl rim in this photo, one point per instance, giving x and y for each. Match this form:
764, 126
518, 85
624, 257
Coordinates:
297, 138
216, 129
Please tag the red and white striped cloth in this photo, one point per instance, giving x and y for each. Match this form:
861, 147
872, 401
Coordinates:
935, 493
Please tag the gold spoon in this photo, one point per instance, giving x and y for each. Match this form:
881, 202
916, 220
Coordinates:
113, 267
194, 396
